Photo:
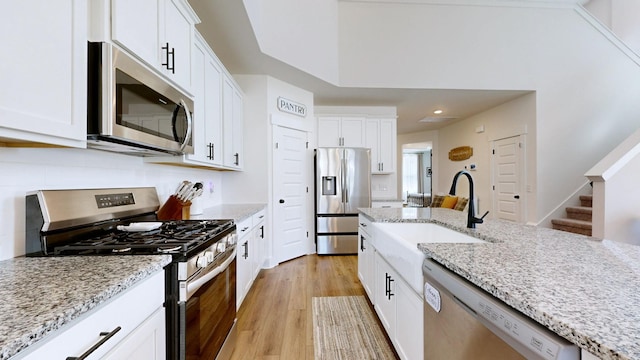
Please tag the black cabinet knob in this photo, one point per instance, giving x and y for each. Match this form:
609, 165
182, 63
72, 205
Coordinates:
281, 201
516, 196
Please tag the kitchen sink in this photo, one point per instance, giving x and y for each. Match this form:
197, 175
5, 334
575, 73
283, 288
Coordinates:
398, 244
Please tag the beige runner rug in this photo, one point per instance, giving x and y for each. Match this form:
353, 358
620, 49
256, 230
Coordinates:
344, 327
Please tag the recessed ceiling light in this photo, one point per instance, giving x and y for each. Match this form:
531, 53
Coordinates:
437, 112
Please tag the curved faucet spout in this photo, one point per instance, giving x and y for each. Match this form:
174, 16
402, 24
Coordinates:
472, 220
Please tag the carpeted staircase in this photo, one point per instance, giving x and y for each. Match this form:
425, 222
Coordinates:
578, 218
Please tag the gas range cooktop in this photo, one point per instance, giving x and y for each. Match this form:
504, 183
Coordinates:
172, 237
98, 222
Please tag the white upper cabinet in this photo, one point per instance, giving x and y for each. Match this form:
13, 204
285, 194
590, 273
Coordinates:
134, 26
233, 124
44, 78
336, 131
159, 32
380, 135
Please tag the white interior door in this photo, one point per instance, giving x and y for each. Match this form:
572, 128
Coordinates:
290, 180
507, 167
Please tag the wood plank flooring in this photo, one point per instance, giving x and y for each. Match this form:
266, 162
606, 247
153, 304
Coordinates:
275, 320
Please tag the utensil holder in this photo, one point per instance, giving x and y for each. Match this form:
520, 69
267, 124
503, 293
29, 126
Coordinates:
174, 209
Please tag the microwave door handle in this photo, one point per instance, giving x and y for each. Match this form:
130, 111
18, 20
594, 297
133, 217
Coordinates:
187, 136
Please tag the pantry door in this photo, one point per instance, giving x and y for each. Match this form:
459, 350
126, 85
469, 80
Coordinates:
290, 195
507, 164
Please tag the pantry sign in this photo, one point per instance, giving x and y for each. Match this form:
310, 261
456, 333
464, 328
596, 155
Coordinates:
291, 107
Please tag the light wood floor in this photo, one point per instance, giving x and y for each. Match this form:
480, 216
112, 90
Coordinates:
275, 319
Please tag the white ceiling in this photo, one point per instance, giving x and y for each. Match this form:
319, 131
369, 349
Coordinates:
225, 26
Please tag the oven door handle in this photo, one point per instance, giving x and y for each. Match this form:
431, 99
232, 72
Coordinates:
193, 286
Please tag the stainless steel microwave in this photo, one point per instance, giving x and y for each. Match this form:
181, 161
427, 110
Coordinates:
131, 109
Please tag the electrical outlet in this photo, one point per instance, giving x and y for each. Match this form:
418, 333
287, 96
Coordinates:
211, 191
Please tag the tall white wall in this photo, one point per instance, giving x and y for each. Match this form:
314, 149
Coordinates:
586, 87
311, 47
28, 169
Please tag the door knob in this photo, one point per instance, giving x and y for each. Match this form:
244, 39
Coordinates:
281, 201
516, 196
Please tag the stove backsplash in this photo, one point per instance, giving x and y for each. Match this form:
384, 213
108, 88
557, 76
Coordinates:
28, 169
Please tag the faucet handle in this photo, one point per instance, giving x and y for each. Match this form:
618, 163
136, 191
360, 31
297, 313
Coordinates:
480, 220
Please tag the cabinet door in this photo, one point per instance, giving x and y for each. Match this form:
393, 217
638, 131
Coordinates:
232, 124
146, 342
177, 40
387, 145
201, 151
329, 134
134, 26
385, 294
257, 248
243, 269
353, 132
372, 137
366, 268
213, 110
409, 330
44, 84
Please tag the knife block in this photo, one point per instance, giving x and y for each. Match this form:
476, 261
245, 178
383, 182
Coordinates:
174, 209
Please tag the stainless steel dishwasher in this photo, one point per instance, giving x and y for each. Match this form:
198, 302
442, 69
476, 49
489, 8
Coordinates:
462, 321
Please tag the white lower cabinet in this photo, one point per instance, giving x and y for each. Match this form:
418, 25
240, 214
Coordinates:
366, 266
398, 306
400, 310
243, 260
251, 253
135, 319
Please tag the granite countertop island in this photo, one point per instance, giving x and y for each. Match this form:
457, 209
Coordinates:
584, 289
40, 295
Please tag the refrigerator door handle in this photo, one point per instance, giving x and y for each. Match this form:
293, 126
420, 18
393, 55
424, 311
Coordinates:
345, 197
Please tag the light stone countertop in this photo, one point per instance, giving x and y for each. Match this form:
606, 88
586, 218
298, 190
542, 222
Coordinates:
584, 289
41, 294
237, 212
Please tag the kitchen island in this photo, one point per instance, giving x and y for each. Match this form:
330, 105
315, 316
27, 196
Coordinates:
581, 288
43, 295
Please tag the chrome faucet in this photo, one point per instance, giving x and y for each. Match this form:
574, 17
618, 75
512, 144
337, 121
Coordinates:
472, 220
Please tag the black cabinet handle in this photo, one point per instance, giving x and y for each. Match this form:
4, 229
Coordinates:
170, 65
107, 336
362, 243
210, 147
516, 196
281, 201
246, 250
237, 156
262, 232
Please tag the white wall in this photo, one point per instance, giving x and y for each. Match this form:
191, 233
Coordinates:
586, 88
621, 16
256, 183
311, 46
28, 169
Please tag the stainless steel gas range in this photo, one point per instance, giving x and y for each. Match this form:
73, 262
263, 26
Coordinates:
200, 291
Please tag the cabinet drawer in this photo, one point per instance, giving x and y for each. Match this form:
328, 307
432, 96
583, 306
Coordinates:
365, 223
244, 227
259, 217
127, 310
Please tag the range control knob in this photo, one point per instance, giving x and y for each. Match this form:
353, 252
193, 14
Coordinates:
209, 255
202, 262
221, 247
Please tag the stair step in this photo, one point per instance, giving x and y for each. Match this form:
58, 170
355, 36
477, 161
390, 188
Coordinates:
586, 200
580, 213
572, 225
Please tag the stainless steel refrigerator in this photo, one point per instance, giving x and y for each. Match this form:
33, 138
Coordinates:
342, 185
